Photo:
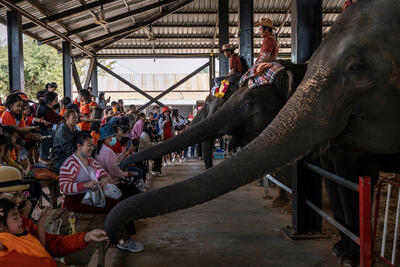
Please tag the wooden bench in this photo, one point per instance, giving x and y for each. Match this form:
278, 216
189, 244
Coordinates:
83, 223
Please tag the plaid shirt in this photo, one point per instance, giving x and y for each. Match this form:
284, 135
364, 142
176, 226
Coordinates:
266, 77
269, 49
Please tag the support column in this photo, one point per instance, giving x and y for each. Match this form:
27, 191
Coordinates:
246, 30
306, 28
67, 69
211, 69
223, 24
94, 80
15, 51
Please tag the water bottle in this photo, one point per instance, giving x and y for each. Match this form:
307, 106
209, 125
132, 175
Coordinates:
71, 220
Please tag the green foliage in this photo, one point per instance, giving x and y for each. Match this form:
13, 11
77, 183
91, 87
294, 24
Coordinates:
42, 64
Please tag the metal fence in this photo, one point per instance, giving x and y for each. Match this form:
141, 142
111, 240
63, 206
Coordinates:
303, 203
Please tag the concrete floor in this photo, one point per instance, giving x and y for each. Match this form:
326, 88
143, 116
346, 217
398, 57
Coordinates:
237, 229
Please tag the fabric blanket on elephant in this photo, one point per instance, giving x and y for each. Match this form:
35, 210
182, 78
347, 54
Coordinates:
261, 74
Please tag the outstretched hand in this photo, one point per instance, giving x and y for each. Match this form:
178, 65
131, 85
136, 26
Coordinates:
96, 235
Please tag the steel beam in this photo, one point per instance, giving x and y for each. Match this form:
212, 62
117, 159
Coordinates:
306, 29
246, 30
167, 55
29, 16
174, 86
89, 73
67, 13
121, 16
211, 70
67, 69
137, 89
94, 81
327, 11
127, 31
182, 47
75, 75
15, 51
223, 38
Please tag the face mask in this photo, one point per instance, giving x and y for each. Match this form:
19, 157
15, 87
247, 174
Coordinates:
56, 106
82, 155
113, 141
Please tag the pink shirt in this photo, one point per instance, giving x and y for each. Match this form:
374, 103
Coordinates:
137, 129
109, 160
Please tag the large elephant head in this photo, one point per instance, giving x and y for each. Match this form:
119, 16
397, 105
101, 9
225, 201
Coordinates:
244, 115
350, 95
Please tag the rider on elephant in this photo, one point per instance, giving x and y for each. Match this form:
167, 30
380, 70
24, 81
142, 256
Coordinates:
235, 65
269, 48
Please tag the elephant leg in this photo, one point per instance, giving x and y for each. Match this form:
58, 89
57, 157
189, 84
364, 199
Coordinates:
351, 167
207, 149
336, 207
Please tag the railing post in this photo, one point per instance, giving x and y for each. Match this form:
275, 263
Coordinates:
365, 221
306, 185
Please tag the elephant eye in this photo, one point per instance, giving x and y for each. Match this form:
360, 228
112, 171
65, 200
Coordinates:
247, 105
355, 68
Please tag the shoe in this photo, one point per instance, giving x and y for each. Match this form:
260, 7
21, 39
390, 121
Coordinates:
165, 164
131, 246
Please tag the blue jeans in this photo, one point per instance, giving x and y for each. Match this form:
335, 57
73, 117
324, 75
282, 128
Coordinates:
46, 144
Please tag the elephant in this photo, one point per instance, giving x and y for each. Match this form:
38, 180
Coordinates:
232, 116
211, 105
347, 102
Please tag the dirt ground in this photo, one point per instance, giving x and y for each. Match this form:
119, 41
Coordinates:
238, 229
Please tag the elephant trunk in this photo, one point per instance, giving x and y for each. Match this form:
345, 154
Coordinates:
295, 131
204, 130
207, 149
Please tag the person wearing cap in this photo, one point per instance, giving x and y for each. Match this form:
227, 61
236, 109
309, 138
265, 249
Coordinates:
107, 157
270, 47
235, 65
166, 130
22, 248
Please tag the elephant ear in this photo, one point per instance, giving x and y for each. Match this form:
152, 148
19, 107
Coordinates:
291, 86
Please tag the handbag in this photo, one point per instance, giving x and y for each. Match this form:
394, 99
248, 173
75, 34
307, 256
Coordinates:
95, 195
112, 191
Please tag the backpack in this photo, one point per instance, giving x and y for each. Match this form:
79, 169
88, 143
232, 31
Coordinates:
243, 61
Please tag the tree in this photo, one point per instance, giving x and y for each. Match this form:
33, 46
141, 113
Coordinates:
42, 64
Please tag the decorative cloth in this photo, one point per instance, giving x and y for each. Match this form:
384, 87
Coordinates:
264, 76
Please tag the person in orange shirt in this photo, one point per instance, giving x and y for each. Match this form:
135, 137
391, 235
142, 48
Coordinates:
235, 65
84, 125
65, 101
95, 132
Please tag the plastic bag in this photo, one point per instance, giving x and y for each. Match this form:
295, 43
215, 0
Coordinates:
95, 197
112, 191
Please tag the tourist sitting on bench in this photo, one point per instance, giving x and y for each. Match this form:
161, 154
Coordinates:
79, 173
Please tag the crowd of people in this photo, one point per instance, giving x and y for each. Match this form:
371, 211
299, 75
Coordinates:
81, 141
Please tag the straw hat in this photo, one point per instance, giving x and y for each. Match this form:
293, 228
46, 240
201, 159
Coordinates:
265, 22
10, 180
226, 47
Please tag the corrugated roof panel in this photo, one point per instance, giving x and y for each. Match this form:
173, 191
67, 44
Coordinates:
204, 12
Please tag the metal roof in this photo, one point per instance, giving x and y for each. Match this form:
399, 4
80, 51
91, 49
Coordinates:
178, 27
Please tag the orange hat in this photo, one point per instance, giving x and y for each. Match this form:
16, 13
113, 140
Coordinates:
23, 96
165, 109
